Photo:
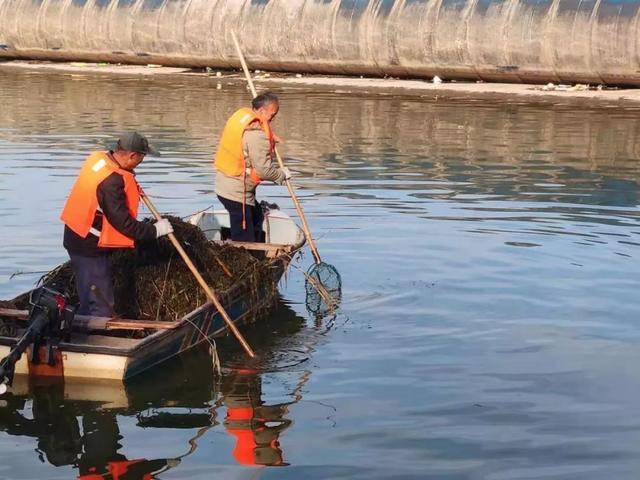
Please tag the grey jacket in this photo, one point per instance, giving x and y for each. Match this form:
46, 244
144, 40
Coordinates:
256, 150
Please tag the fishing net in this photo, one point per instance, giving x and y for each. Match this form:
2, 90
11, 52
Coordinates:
153, 282
323, 286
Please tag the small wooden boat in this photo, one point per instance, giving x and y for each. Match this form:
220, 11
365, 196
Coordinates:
91, 353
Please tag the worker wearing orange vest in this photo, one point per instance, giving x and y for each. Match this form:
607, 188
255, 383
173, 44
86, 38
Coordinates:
100, 217
243, 160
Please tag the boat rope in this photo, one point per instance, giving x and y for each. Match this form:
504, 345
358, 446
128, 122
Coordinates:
212, 346
164, 286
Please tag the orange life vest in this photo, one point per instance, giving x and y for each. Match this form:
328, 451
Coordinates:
81, 207
230, 155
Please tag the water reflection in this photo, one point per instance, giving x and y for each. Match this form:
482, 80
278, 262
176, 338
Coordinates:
76, 423
325, 137
255, 426
84, 424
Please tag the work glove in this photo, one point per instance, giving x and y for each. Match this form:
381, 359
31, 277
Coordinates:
163, 227
287, 173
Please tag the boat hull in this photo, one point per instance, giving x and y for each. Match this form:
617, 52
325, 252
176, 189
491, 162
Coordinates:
83, 357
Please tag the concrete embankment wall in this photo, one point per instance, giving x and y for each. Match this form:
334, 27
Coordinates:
587, 41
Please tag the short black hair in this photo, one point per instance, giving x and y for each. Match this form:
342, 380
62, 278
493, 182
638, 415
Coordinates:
263, 100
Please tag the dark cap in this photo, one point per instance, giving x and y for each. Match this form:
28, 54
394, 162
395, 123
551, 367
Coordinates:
134, 142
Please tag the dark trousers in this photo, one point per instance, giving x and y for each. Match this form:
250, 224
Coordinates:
253, 216
91, 271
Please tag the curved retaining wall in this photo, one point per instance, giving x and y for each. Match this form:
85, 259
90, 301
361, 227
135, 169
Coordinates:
589, 41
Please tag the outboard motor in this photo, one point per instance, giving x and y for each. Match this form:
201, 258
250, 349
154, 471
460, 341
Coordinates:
49, 322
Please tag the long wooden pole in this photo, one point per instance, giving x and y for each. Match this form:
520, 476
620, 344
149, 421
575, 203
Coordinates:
212, 296
305, 226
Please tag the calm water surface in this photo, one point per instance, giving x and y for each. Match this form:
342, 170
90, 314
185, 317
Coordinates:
489, 255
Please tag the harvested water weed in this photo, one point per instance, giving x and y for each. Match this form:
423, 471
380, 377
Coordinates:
151, 282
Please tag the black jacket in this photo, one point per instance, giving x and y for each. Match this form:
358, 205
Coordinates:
113, 202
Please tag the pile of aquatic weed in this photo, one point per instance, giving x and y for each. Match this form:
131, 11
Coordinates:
153, 282
7, 304
7, 328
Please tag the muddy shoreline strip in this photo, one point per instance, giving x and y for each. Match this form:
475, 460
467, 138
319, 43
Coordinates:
494, 92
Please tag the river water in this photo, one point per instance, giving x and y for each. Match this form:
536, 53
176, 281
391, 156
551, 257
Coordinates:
489, 257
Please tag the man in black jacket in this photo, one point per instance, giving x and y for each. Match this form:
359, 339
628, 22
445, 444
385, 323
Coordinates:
100, 216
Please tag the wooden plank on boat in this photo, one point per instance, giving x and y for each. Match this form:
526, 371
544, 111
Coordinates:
114, 324
88, 323
265, 247
11, 313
